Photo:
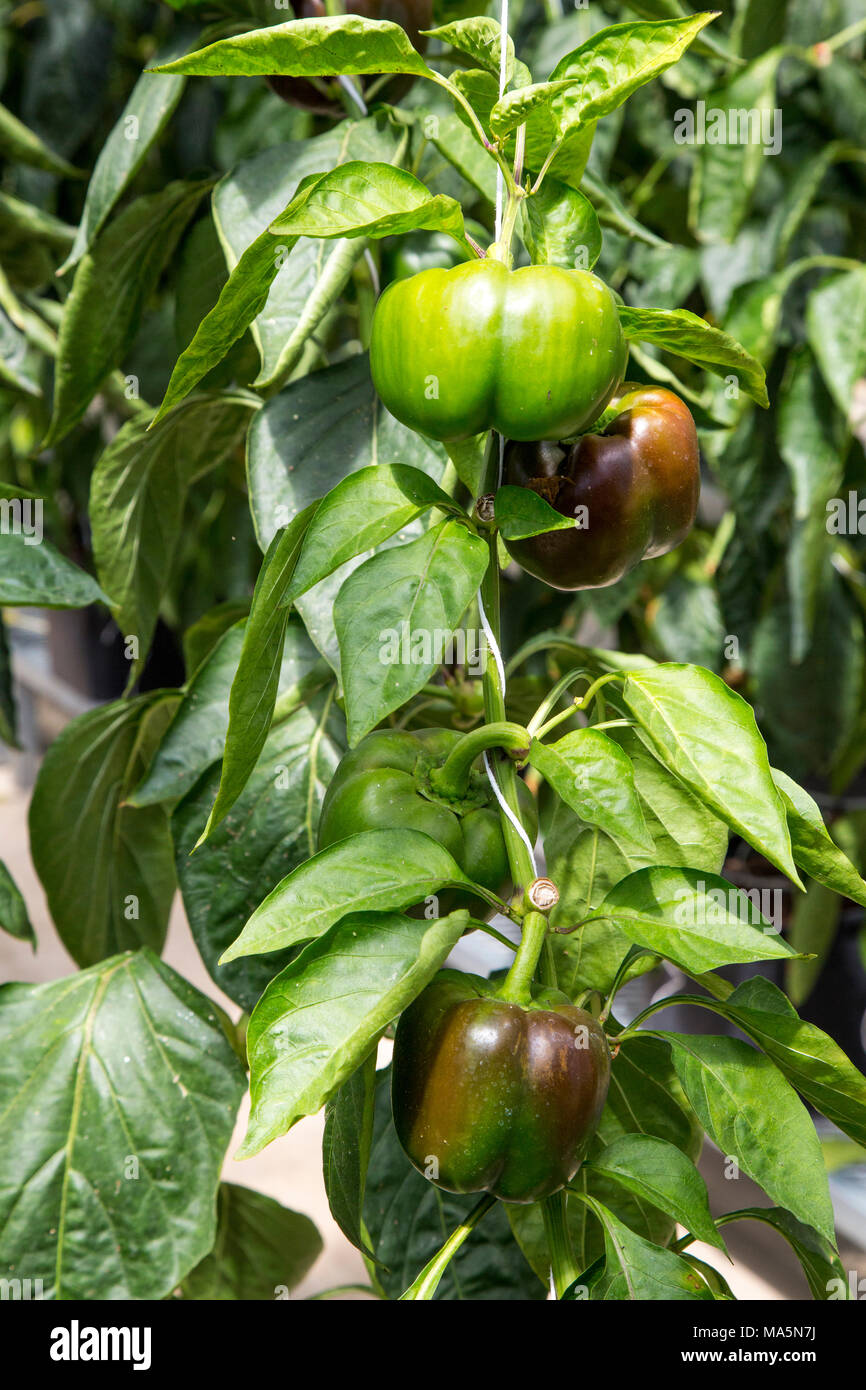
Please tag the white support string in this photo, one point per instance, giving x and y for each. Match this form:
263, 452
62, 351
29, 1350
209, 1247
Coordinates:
492, 644
508, 812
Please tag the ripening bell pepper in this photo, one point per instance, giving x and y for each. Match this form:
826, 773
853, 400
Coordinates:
489, 1095
632, 488
534, 353
384, 784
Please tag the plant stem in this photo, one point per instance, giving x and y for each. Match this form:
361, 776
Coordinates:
562, 1262
452, 778
519, 857
424, 1287
517, 985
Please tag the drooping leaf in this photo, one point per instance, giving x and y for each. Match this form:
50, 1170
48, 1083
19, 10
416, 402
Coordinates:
107, 868
262, 1250
126, 1087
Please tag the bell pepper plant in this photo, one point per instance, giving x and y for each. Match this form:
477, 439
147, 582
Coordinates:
398, 736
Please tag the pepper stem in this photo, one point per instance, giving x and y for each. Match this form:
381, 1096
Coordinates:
563, 1267
452, 778
517, 985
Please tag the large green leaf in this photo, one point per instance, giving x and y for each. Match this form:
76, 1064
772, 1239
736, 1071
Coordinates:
662, 1174
824, 1271
269, 831
126, 1087
262, 1250
309, 279
346, 1145
813, 847
752, 1114
138, 494
256, 681
418, 591
836, 321
637, 1269
320, 1018
145, 115
307, 48
592, 775
688, 335
374, 871
697, 920
107, 868
708, 736
586, 864
39, 576
318, 431
810, 1059
368, 507
121, 270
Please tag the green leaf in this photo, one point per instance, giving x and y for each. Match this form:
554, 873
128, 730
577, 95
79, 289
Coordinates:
636, 1269
836, 323
420, 590
310, 279
32, 223
480, 39
122, 269
268, 832
707, 735
38, 576
241, 299
514, 108
810, 435
254, 688
374, 871
365, 199
13, 909
618, 59
195, 738
363, 510
110, 883
138, 495
560, 227
586, 864
520, 512
262, 1250
319, 430
126, 1087
687, 335
752, 1114
18, 370
824, 1271
727, 170
811, 1060
144, 117
813, 848
20, 145
662, 1174
695, 919
346, 1145
592, 775
320, 1018
307, 48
